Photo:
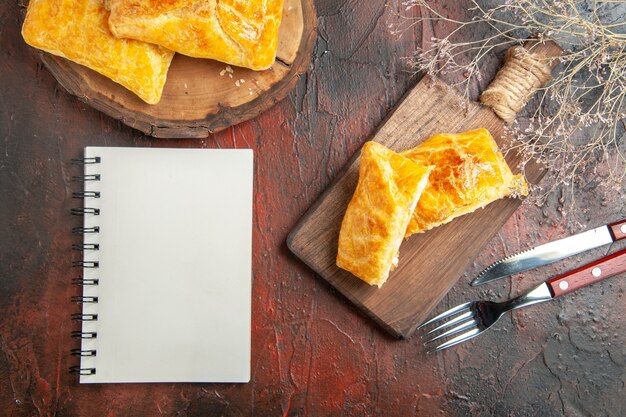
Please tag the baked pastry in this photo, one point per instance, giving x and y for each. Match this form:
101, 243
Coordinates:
377, 216
238, 32
78, 30
469, 173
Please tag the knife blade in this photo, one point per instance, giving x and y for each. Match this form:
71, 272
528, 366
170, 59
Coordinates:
552, 252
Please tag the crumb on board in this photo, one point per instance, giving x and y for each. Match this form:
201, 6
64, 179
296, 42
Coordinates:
227, 70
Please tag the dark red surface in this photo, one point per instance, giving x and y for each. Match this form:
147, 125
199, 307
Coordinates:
313, 354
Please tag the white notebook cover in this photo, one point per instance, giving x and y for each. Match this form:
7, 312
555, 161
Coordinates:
174, 265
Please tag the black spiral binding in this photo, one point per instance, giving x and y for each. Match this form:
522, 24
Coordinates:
83, 282
86, 194
82, 371
81, 299
85, 161
83, 247
83, 230
79, 211
84, 335
85, 264
90, 177
80, 352
84, 317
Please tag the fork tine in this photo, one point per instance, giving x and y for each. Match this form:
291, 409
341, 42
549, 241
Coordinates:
458, 329
455, 341
452, 322
445, 314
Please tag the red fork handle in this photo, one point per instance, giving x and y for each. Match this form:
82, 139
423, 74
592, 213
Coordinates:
618, 229
589, 274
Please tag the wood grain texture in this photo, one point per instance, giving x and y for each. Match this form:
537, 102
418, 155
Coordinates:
432, 262
200, 96
313, 352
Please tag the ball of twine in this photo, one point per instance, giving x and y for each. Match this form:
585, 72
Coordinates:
519, 78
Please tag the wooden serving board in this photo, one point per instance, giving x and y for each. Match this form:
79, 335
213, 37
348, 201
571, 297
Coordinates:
200, 97
432, 262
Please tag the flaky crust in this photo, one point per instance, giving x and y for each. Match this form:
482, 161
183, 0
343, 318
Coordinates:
469, 173
78, 30
238, 32
377, 216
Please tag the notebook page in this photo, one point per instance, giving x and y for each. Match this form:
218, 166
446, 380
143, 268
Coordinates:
174, 268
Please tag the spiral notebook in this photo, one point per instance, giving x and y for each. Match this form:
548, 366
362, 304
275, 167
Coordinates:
167, 247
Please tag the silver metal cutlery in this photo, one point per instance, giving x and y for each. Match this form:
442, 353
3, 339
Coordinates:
553, 251
468, 320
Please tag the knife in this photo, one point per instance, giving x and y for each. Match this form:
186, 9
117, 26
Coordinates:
552, 252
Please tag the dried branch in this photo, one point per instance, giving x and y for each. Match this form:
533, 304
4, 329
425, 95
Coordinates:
577, 122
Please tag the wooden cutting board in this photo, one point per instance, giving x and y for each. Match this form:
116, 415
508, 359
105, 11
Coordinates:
432, 262
200, 96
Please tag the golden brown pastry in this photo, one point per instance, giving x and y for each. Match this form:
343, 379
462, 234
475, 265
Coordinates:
238, 32
78, 30
377, 216
469, 173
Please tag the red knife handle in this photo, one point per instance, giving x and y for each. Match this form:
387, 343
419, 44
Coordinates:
618, 229
589, 274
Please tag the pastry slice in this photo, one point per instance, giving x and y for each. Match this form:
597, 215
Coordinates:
238, 32
377, 216
78, 30
469, 173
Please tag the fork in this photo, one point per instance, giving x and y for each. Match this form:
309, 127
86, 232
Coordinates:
473, 318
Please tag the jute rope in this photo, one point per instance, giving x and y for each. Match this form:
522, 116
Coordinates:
521, 75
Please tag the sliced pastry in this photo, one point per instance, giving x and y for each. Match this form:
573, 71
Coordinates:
238, 32
469, 173
376, 219
78, 30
